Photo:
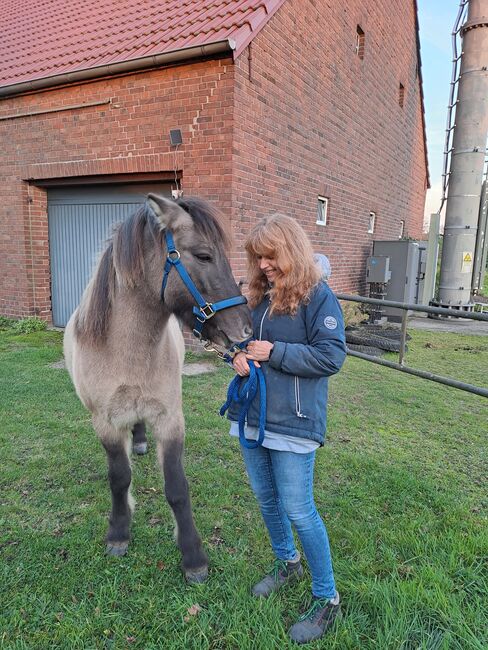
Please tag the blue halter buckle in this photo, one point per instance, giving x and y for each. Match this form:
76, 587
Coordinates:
207, 311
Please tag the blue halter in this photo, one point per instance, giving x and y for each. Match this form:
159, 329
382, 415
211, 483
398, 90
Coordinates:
205, 309
245, 393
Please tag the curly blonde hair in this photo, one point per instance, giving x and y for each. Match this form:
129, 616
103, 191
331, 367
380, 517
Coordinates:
283, 239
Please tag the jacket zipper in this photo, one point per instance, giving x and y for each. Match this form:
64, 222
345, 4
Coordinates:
262, 321
298, 409
297, 383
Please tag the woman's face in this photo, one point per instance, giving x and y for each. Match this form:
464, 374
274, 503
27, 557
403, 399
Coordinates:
269, 267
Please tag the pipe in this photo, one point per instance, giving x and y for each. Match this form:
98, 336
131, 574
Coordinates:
440, 311
124, 67
467, 161
59, 109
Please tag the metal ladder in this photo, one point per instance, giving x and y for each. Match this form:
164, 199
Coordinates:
453, 99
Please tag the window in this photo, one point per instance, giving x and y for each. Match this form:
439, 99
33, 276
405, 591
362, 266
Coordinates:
360, 42
322, 210
402, 229
371, 222
401, 95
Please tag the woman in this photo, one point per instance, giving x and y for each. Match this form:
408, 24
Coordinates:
299, 343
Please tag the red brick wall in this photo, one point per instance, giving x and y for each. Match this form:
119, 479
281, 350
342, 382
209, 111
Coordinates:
130, 135
300, 114
316, 119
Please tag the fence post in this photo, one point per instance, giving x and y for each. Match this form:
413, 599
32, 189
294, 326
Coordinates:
403, 338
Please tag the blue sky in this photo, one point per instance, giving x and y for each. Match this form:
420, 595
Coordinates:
436, 19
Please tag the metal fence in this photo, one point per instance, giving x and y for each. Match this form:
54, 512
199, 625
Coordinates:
406, 307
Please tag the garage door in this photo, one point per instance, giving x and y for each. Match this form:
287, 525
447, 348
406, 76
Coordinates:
81, 219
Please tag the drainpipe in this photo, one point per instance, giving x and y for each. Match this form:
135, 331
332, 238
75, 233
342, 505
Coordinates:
467, 161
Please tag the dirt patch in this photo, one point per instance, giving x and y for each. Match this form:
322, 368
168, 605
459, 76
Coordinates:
58, 365
190, 369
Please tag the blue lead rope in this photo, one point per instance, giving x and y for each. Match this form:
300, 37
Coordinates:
243, 390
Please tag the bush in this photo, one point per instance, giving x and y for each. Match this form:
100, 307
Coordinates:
28, 325
353, 313
6, 323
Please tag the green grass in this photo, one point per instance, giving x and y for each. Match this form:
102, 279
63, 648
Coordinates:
484, 290
401, 483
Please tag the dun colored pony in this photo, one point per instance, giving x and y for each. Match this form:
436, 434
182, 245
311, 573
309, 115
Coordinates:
124, 351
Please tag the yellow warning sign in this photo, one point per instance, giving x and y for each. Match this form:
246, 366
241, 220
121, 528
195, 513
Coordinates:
467, 263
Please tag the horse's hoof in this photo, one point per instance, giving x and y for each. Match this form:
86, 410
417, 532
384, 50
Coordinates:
196, 576
117, 549
140, 448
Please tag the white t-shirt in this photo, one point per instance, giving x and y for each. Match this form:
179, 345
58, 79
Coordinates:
277, 441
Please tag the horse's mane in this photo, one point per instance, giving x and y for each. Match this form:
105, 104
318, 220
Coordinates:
123, 261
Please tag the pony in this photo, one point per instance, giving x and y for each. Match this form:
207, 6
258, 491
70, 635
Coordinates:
124, 350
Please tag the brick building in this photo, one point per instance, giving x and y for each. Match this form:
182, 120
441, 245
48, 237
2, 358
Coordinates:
283, 105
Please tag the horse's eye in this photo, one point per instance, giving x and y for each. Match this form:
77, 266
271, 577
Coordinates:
203, 257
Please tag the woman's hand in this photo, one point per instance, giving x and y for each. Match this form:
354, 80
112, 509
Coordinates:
259, 350
240, 364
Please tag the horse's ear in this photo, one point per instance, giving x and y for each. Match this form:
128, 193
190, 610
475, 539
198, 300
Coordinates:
167, 212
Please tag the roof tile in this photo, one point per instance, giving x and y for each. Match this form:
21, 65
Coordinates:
49, 37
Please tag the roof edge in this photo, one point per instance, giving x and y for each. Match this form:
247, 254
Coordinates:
269, 14
421, 85
153, 61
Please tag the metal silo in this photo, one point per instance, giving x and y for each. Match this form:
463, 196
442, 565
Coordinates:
468, 152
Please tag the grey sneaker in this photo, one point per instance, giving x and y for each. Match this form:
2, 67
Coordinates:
316, 621
281, 573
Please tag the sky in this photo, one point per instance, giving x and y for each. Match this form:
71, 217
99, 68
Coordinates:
436, 20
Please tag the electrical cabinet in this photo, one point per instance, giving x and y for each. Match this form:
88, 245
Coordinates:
378, 269
407, 267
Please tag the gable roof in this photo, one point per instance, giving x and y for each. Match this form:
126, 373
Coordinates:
49, 42
50, 39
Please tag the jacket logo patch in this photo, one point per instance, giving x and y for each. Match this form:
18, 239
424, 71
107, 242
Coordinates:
330, 322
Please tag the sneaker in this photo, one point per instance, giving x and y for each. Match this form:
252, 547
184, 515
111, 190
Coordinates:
281, 573
315, 622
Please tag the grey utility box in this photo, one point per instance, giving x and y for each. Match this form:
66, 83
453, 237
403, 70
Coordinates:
407, 266
378, 269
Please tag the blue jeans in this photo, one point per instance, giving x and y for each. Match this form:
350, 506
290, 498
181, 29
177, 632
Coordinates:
283, 484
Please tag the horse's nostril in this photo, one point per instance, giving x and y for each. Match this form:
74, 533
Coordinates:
247, 331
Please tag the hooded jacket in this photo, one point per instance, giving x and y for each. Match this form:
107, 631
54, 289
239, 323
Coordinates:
308, 348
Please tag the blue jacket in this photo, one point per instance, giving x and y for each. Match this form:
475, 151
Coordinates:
308, 348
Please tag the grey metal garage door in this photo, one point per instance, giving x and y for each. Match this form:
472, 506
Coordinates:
81, 219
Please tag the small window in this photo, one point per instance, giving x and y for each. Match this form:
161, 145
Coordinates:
322, 210
402, 229
401, 95
360, 42
371, 222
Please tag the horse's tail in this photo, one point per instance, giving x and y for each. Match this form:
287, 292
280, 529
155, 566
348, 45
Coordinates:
93, 314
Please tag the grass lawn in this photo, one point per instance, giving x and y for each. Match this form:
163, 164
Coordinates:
484, 289
401, 483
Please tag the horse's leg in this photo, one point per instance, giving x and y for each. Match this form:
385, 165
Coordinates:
119, 474
139, 440
170, 453
116, 445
